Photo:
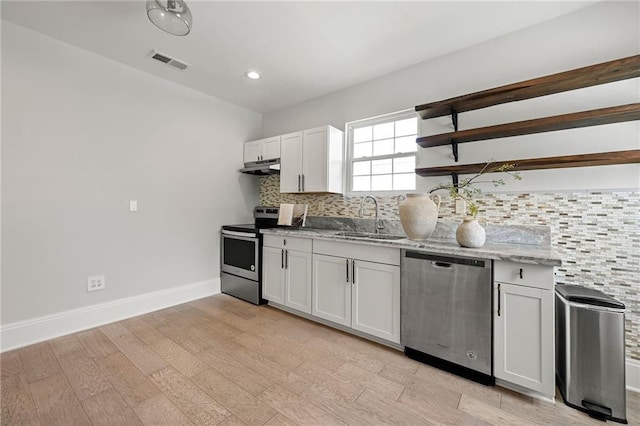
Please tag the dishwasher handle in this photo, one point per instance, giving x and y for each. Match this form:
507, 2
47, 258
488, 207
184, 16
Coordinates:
441, 264
441, 261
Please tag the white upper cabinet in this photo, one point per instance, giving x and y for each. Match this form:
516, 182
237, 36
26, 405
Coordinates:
311, 161
271, 148
252, 151
291, 162
263, 149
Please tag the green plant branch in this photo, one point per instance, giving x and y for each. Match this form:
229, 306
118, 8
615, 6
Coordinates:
466, 189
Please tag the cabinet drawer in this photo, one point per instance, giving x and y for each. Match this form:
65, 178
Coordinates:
289, 243
538, 276
388, 255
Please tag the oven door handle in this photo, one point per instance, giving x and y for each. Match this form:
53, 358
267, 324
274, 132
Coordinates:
239, 235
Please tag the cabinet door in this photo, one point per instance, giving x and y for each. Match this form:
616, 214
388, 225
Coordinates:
524, 337
332, 289
271, 148
252, 151
298, 280
273, 275
290, 162
314, 160
376, 300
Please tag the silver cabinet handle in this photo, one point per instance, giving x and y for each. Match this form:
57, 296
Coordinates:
499, 299
281, 259
299, 183
303, 182
347, 271
286, 259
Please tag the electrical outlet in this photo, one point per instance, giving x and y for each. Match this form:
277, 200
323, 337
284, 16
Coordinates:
461, 206
95, 283
321, 206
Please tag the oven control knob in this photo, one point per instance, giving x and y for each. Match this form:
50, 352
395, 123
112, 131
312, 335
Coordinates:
253, 267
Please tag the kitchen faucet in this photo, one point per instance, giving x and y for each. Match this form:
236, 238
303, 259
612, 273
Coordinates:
378, 222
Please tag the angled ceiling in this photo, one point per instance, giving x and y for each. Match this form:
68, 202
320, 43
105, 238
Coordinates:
303, 49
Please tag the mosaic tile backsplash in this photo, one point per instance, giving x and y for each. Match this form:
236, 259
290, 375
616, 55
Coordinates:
597, 234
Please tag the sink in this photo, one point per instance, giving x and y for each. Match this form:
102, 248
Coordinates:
369, 235
386, 237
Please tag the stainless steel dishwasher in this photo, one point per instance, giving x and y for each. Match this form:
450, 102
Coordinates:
446, 313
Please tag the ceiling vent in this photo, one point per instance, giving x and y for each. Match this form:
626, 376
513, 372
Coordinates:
166, 59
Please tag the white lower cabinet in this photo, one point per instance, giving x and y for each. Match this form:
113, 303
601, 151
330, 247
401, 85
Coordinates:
358, 293
298, 280
358, 286
524, 327
273, 281
331, 289
375, 300
286, 272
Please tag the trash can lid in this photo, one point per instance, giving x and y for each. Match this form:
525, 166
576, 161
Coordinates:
588, 296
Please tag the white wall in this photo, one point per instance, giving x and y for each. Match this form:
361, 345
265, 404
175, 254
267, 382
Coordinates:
81, 136
598, 33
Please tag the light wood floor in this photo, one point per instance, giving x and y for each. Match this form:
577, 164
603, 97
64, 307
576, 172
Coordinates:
223, 361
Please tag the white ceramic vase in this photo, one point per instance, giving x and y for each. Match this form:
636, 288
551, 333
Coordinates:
470, 233
418, 215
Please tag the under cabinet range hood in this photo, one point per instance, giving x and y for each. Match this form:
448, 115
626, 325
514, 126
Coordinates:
262, 168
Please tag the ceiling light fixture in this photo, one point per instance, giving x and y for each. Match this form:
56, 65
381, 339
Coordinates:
172, 16
253, 75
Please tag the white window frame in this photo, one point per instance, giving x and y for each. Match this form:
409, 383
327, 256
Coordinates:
349, 127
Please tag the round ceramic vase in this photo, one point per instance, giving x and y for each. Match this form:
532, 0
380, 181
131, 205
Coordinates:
470, 233
418, 215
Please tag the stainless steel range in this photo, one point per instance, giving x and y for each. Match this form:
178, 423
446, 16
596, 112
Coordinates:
241, 256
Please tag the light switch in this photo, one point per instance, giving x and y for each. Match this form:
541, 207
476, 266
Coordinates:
133, 205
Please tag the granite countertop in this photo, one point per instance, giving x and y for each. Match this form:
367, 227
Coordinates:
540, 254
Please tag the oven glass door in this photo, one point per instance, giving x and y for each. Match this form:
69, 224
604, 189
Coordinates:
240, 256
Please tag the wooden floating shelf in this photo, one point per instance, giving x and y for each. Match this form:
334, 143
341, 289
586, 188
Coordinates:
592, 75
584, 160
539, 125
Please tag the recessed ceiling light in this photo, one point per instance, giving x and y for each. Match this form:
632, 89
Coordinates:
253, 75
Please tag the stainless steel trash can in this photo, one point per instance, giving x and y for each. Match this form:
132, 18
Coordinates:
590, 358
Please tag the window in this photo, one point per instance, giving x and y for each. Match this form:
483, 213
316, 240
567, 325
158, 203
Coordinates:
381, 154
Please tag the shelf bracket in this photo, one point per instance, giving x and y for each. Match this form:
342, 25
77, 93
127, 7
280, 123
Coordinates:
454, 144
454, 180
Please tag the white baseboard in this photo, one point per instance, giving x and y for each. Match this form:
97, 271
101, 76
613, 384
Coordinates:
27, 332
633, 375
